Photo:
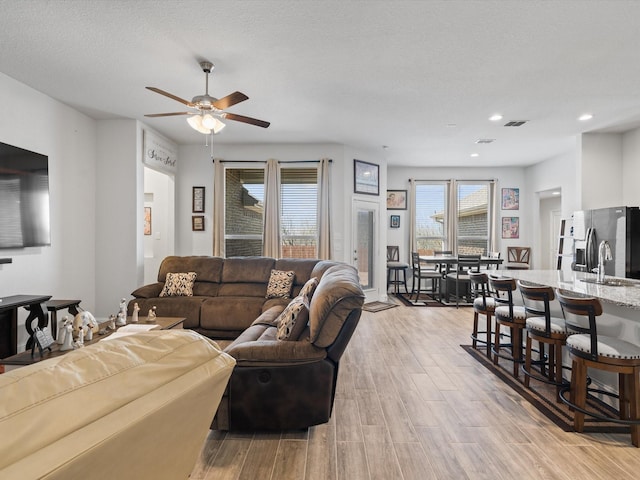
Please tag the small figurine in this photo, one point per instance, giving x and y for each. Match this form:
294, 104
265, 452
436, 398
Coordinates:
121, 320
61, 330
68, 336
136, 309
151, 316
79, 343
123, 307
112, 322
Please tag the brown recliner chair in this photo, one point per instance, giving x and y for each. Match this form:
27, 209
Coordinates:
291, 384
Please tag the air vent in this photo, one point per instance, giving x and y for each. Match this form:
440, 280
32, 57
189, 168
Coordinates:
485, 140
515, 123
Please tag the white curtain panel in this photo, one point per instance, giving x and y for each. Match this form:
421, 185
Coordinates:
324, 211
271, 229
413, 244
493, 216
218, 208
452, 209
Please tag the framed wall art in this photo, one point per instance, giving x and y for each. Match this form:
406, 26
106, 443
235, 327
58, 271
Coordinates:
395, 221
197, 198
147, 220
510, 198
396, 199
366, 178
197, 223
510, 227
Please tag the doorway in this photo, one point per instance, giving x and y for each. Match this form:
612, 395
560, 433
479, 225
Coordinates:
365, 245
550, 217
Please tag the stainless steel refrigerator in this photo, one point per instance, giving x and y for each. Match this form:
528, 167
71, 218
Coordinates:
620, 226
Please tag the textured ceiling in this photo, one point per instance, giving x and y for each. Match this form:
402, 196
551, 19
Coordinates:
365, 74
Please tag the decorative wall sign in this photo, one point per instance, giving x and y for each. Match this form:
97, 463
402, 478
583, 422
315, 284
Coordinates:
395, 221
510, 198
197, 200
396, 199
159, 153
197, 223
510, 227
366, 177
147, 220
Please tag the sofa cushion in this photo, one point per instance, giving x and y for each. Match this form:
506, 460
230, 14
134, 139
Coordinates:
247, 270
230, 313
301, 266
179, 285
208, 269
280, 283
269, 317
338, 293
293, 319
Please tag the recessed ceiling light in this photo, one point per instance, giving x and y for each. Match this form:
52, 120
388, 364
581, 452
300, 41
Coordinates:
475, 155
495, 117
452, 125
555, 193
585, 116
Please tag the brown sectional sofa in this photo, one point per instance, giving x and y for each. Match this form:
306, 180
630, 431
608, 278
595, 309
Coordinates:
276, 384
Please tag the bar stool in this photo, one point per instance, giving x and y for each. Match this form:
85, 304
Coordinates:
547, 330
394, 268
590, 350
508, 315
483, 304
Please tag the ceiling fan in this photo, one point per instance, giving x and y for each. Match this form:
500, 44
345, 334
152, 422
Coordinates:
207, 110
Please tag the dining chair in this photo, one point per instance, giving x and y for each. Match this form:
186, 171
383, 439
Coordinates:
483, 304
420, 272
492, 266
518, 258
460, 276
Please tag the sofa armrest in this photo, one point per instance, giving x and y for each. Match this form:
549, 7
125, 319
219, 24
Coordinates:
148, 291
275, 352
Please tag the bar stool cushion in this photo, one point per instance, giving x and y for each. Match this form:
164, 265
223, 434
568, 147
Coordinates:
392, 264
479, 305
519, 313
538, 323
607, 346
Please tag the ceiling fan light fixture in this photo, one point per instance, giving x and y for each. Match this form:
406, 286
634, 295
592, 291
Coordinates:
212, 123
196, 123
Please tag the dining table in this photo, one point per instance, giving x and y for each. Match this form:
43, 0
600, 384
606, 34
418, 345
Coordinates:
448, 264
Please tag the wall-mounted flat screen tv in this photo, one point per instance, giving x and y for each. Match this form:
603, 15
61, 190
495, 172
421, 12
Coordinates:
24, 198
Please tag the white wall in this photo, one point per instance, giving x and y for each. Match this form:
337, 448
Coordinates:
66, 269
601, 170
631, 168
119, 210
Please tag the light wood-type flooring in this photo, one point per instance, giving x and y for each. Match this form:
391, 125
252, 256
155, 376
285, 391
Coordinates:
412, 404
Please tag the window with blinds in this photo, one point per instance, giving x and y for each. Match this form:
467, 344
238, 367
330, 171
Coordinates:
431, 217
473, 218
298, 212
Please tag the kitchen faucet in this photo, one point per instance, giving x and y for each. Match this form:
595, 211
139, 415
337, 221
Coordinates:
604, 254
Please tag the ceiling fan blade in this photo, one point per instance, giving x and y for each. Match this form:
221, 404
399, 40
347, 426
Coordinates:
230, 100
243, 119
169, 114
170, 95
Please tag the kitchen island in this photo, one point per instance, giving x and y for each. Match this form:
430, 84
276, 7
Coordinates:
620, 299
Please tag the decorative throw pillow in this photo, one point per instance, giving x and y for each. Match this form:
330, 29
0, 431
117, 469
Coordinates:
280, 283
293, 319
179, 285
308, 288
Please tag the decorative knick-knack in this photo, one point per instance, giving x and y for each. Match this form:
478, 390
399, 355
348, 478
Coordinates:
123, 307
121, 320
68, 337
151, 316
79, 343
134, 316
112, 322
61, 330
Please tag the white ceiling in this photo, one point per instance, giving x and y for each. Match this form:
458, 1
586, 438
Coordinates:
360, 73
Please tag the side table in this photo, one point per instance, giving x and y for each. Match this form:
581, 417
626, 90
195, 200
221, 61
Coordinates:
54, 305
9, 311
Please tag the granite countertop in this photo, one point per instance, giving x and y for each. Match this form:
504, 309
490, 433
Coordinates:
627, 295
